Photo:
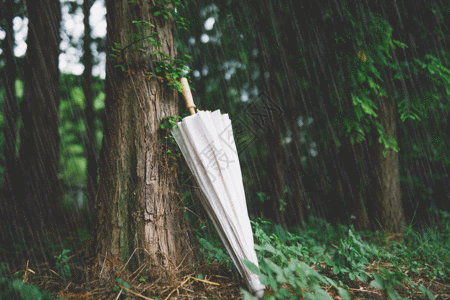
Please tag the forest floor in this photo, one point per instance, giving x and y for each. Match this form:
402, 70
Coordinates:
48, 270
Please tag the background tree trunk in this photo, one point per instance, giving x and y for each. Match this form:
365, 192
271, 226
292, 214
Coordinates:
37, 187
137, 202
11, 110
88, 89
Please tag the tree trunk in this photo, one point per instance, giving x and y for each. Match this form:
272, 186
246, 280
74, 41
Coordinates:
88, 89
36, 187
385, 195
11, 109
360, 182
137, 203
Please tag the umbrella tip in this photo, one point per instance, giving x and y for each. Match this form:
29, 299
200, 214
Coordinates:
259, 294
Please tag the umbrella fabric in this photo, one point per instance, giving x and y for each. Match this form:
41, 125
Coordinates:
207, 143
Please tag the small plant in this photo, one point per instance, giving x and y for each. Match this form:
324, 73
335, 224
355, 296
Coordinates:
282, 205
165, 9
349, 258
387, 281
121, 286
61, 263
214, 254
169, 123
170, 69
14, 288
294, 280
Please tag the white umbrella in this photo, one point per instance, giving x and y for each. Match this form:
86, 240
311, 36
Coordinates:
207, 143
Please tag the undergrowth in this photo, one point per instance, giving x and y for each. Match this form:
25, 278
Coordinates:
319, 261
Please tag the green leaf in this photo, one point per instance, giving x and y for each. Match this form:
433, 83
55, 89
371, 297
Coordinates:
378, 282
251, 266
344, 294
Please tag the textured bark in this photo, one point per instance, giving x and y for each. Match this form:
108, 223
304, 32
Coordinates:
88, 89
137, 201
385, 195
36, 187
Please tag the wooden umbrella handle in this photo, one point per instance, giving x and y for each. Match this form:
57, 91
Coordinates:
188, 96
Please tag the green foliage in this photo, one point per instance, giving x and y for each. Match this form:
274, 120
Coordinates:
170, 69
169, 123
350, 258
262, 197
301, 279
14, 288
212, 249
214, 254
121, 285
61, 263
167, 10
143, 40
387, 280
285, 259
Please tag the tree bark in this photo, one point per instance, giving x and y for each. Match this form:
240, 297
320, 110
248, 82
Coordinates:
88, 89
137, 202
385, 195
37, 187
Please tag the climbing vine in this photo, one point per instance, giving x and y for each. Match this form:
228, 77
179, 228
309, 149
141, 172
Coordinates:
167, 69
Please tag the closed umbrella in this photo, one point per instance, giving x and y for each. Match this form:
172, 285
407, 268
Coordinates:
207, 144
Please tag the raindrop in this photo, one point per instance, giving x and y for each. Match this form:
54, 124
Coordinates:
2, 34
196, 73
255, 52
313, 152
204, 38
192, 41
300, 122
209, 23
313, 144
266, 74
227, 76
310, 120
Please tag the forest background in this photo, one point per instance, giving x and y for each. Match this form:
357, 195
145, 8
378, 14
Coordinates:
339, 108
